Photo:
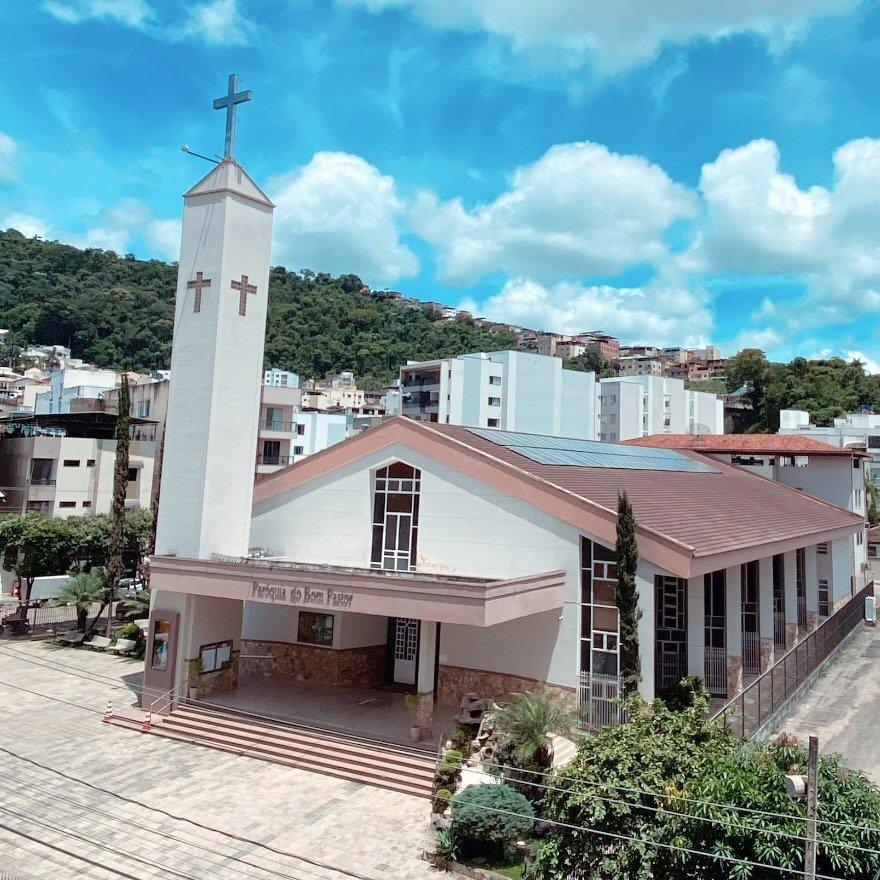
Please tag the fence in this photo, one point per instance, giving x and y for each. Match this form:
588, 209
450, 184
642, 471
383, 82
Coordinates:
751, 709
49, 615
779, 630
751, 648
600, 701
715, 670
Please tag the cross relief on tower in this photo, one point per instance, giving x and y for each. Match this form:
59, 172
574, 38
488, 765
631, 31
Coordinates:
243, 289
198, 284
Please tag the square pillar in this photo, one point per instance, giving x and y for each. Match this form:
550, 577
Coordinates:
790, 575
696, 627
733, 634
765, 611
427, 665
812, 569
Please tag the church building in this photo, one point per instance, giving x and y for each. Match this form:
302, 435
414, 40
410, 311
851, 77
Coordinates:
438, 559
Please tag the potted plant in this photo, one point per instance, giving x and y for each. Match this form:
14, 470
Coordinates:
195, 670
412, 702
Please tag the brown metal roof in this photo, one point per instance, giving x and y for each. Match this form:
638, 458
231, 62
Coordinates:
768, 444
727, 509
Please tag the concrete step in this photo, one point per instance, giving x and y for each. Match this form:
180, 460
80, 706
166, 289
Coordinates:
298, 735
377, 764
324, 756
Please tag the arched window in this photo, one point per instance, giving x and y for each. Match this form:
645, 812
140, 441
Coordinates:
396, 517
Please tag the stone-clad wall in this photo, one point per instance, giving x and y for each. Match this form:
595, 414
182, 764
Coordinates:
453, 682
219, 682
311, 663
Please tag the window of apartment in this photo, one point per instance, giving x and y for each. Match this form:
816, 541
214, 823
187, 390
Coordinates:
822, 549
133, 474
272, 420
857, 463
40, 506
71, 462
90, 462
857, 500
860, 538
492, 423
87, 504
494, 401
494, 380
315, 628
823, 598
67, 504
396, 517
142, 409
216, 656
297, 450
300, 430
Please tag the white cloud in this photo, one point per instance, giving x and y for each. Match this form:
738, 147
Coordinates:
217, 22
133, 13
617, 35
661, 313
872, 367
27, 224
766, 338
8, 148
578, 210
340, 214
163, 236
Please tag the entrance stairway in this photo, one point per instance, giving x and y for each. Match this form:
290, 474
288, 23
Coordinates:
386, 765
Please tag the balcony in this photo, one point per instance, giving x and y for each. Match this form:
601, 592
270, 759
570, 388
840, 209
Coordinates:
275, 460
278, 425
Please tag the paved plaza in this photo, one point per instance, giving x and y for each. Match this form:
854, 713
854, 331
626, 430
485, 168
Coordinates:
843, 706
79, 798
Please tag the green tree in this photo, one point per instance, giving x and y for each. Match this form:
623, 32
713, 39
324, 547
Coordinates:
84, 590
527, 719
34, 545
627, 594
592, 361
485, 818
655, 778
872, 493
120, 486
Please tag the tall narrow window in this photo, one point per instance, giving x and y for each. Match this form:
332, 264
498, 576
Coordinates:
824, 602
801, 568
670, 598
396, 517
600, 627
715, 588
750, 617
779, 601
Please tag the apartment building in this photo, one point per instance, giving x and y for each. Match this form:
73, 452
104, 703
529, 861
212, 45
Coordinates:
634, 406
834, 474
861, 429
62, 464
639, 365
336, 391
568, 346
69, 386
276, 378
509, 390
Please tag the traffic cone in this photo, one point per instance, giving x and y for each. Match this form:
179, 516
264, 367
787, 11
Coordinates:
108, 712
145, 726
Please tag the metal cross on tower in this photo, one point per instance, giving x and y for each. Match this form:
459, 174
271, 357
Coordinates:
198, 285
229, 101
243, 289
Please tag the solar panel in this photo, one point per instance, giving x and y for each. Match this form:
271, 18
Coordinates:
592, 453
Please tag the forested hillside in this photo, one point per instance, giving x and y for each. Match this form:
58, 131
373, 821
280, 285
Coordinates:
118, 312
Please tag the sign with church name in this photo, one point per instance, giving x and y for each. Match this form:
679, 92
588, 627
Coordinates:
298, 594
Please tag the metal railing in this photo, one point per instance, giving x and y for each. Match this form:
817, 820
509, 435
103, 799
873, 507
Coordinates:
600, 701
802, 612
279, 460
278, 425
751, 648
751, 709
715, 670
779, 629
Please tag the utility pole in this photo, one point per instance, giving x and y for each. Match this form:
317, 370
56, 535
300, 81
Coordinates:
812, 804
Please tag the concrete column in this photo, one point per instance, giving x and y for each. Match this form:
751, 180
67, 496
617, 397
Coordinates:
733, 635
696, 627
765, 611
812, 571
790, 574
646, 628
425, 679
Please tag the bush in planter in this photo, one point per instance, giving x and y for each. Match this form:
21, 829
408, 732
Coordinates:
488, 817
461, 738
449, 768
442, 799
446, 845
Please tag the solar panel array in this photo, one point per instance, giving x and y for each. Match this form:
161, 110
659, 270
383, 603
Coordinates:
592, 453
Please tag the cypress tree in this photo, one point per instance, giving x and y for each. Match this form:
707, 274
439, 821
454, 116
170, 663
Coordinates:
628, 595
120, 488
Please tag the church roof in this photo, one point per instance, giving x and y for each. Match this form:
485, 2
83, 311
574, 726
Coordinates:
766, 444
694, 514
229, 176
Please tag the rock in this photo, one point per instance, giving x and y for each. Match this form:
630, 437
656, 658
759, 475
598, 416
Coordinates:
441, 821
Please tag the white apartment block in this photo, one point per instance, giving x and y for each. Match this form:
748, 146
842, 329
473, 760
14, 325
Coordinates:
286, 434
635, 406
73, 383
853, 429
276, 378
510, 390
63, 465
638, 365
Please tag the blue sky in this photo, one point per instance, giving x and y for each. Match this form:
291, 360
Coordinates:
669, 172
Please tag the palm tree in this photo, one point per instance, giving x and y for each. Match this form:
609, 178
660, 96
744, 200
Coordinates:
83, 590
137, 605
528, 719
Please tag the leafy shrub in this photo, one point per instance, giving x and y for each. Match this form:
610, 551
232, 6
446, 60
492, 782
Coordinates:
526, 719
442, 798
488, 817
446, 844
131, 631
461, 738
681, 696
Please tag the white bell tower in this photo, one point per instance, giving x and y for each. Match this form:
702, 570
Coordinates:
216, 360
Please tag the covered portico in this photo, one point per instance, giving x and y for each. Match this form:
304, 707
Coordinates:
218, 621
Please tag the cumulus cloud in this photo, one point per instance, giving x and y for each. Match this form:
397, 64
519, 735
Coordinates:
218, 22
660, 312
619, 35
339, 213
578, 210
163, 237
133, 13
27, 224
871, 365
8, 148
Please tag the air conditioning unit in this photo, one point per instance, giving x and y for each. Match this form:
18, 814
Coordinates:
870, 610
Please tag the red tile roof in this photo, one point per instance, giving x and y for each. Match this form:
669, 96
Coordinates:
874, 535
727, 509
767, 444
